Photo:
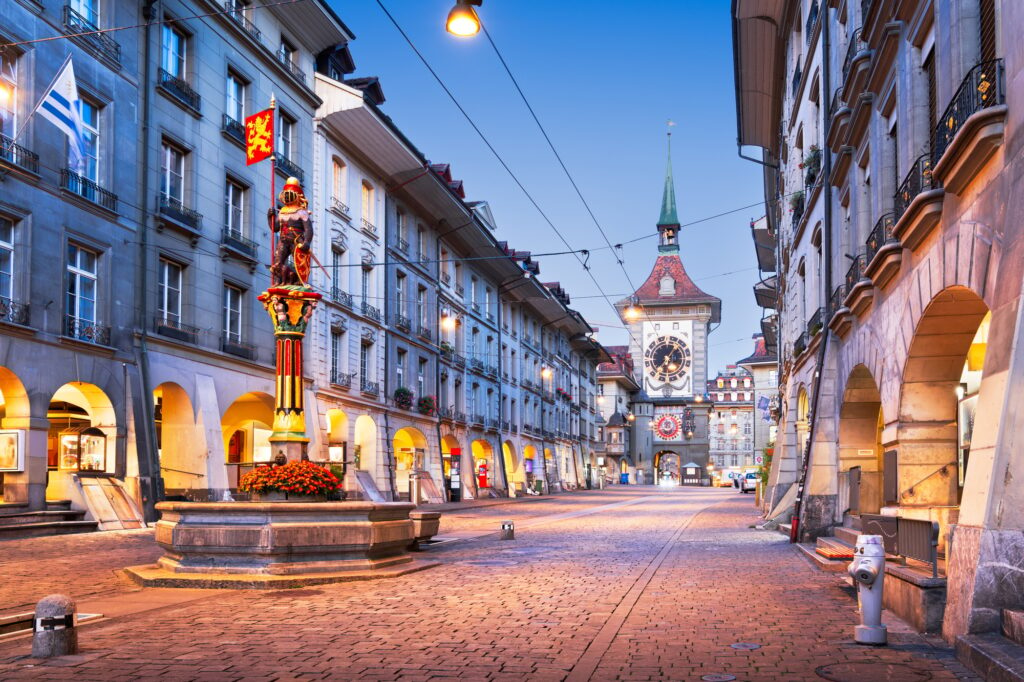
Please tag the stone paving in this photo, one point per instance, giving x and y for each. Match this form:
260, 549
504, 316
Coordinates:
655, 586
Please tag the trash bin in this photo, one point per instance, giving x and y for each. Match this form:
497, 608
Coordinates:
624, 479
539, 487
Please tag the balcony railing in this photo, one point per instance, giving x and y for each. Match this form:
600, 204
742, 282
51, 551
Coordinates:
402, 245
180, 90
460, 417
506, 425
230, 344
286, 166
369, 311
982, 88
476, 364
800, 345
402, 322
369, 387
285, 58
446, 278
446, 412
460, 290
477, 419
234, 239
491, 423
815, 322
87, 189
796, 205
174, 329
851, 52
342, 379
918, 180
835, 302
459, 360
812, 19
86, 330
339, 206
491, 370
425, 333
880, 235
173, 208
235, 12
369, 227
233, 129
341, 297
88, 33
856, 272
14, 154
797, 75
13, 311
475, 306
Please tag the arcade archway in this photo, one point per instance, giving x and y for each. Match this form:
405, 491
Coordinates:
483, 465
860, 444
410, 448
181, 446
246, 428
667, 465
530, 466
513, 471
451, 466
82, 437
15, 413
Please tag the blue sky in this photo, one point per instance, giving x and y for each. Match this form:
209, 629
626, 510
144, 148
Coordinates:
603, 80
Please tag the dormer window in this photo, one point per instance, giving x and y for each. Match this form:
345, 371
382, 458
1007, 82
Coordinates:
667, 286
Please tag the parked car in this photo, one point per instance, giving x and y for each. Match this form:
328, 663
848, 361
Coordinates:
748, 483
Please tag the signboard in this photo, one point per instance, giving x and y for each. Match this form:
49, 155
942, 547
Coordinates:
12, 450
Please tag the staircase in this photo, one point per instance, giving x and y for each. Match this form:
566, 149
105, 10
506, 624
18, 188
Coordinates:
16, 521
997, 657
835, 553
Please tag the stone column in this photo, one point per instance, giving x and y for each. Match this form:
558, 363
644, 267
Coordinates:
29, 485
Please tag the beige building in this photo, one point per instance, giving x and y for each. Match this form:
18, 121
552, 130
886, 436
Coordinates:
888, 138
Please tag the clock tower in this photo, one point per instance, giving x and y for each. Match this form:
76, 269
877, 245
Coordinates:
669, 319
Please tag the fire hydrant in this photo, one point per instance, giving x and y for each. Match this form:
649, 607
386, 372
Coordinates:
868, 570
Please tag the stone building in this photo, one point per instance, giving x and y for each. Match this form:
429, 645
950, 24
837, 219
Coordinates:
617, 388
731, 422
887, 134
764, 371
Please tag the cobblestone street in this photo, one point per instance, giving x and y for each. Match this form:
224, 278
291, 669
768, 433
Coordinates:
630, 583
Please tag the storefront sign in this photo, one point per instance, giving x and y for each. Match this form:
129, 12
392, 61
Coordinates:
12, 450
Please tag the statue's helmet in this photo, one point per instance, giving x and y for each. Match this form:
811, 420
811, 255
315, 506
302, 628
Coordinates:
292, 192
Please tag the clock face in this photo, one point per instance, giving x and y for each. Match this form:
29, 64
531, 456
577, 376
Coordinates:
668, 426
667, 358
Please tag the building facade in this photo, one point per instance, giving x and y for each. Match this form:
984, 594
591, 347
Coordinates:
888, 134
731, 421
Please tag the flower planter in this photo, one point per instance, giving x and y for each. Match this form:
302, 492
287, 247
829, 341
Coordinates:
279, 496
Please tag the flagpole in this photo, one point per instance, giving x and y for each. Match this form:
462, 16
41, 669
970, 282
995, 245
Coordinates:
273, 173
40, 102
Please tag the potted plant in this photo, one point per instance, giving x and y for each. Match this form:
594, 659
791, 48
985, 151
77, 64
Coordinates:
296, 481
796, 202
427, 405
403, 397
811, 164
446, 348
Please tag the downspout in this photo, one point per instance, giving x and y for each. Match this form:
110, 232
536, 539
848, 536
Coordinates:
389, 446
150, 481
445, 480
501, 362
826, 248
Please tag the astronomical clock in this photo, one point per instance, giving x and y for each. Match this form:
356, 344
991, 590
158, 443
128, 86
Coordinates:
668, 358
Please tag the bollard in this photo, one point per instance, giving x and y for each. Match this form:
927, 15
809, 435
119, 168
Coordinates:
508, 530
53, 629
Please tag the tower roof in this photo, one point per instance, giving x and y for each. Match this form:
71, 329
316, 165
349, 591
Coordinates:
669, 284
669, 218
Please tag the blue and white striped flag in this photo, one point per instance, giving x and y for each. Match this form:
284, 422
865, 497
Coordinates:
60, 106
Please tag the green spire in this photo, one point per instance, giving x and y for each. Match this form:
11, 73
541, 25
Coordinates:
668, 200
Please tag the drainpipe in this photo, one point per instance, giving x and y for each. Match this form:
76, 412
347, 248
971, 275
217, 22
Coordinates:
501, 362
826, 249
445, 481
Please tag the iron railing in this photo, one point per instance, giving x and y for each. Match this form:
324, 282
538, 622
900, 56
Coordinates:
918, 180
812, 20
233, 129
84, 30
425, 333
369, 311
235, 240
446, 278
982, 88
180, 90
815, 322
13, 311
86, 330
288, 167
460, 417
341, 297
402, 322
14, 154
174, 329
343, 379
173, 208
87, 189
235, 12
243, 350
460, 290
369, 387
797, 207
477, 419
369, 227
797, 76
800, 345
285, 58
856, 272
912, 538
339, 206
880, 235
459, 360
852, 51
835, 302
402, 245
476, 364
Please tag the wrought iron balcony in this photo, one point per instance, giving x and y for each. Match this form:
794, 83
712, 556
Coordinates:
812, 20
341, 297
174, 329
477, 419
460, 417
402, 245
233, 239
369, 311
233, 129
475, 306
285, 166
459, 360
835, 302
425, 333
369, 387
855, 273
491, 370
446, 278
369, 227
285, 58
230, 344
918, 180
342, 379
446, 413
796, 205
236, 14
880, 235
476, 364
815, 322
13, 311
86, 330
90, 36
460, 290
851, 51
13, 154
402, 322
180, 90
87, 189
174, 209
982, 88
800, 345
339, 206
506, 425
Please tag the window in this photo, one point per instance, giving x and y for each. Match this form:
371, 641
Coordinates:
365, 283
339, 178
88, 9
6, 259
421, 378
286, 53
168, 305
81, 292
364, 362
234, 205
285, 136
235, 104
421, 305
173, 51
91, 131
336, 268
472, 289
403, 229
172, 173
400, 367
9, 82
421, 244
335, 355
232, 314
237, 8
487, 300
400, 294
367, 202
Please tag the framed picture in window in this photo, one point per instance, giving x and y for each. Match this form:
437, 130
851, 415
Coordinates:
12, 450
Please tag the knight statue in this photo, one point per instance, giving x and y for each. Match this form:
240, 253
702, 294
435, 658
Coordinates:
291, 264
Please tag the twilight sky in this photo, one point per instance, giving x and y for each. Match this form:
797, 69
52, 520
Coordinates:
603, 80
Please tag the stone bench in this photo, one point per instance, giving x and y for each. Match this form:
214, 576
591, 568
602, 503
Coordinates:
425, 525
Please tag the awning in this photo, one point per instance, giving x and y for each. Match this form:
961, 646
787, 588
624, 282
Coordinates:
764, 244
766, 293
758, 41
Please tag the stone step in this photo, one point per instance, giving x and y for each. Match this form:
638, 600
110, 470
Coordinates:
834, 549
1013, 626
785, 528
58, 505
851, 521
810, 552
994, 657
36, 530
846, 535
19, 518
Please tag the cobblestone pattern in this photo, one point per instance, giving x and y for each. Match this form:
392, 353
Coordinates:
526, 609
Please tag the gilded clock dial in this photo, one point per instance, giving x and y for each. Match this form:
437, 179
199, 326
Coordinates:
667, 358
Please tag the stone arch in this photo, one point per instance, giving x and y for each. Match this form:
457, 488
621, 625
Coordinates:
483, 456
337, 435
668, 467
181, 444
83, 435
245, 427
16, 413
15, 407
513, 471
410, 448
365, 446
860, 441
451, 452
